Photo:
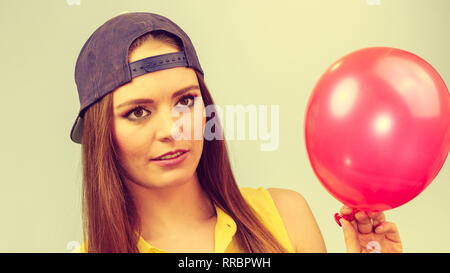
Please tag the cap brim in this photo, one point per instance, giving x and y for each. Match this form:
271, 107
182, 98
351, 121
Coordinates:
77, 130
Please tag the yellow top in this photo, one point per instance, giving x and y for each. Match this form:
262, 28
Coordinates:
260, 200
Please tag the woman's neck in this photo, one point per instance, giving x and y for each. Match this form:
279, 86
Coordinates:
169, 210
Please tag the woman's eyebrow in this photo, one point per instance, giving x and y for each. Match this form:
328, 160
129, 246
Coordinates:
148, 101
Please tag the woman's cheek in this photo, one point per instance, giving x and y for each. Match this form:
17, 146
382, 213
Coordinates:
131, 144
119, 136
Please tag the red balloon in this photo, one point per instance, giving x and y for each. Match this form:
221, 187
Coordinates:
377, 128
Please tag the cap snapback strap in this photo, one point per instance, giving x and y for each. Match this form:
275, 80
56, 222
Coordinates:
158, 62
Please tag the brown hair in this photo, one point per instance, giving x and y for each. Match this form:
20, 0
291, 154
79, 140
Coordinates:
110, 220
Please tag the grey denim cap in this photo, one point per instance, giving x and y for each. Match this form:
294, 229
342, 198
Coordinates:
102, 65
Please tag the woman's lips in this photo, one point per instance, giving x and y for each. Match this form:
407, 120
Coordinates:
171, 161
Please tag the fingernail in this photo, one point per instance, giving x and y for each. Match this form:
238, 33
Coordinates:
379, 228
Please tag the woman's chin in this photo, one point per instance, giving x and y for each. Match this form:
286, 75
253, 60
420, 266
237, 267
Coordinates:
172, 179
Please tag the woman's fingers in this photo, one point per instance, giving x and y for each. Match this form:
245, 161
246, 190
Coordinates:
377, 218
348, 214
346, 210
350, 236
390, 230
364, 223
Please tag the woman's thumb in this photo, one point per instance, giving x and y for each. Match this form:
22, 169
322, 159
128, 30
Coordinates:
350, 237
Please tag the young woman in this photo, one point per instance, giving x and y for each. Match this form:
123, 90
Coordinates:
145, 190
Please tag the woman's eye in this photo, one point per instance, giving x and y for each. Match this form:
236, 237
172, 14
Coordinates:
140, 112
137, 113
187, 100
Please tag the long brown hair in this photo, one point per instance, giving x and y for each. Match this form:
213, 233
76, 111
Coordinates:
110, 220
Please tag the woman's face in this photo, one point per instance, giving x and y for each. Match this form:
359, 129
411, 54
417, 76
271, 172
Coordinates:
145, 130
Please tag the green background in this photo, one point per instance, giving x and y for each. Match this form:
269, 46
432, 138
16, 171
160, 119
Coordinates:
252, 52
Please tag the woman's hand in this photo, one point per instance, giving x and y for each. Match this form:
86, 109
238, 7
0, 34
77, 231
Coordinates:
370, 233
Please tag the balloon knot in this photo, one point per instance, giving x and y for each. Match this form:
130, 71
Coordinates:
348, 217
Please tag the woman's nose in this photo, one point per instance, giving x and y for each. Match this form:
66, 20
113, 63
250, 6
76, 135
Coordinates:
166, 125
